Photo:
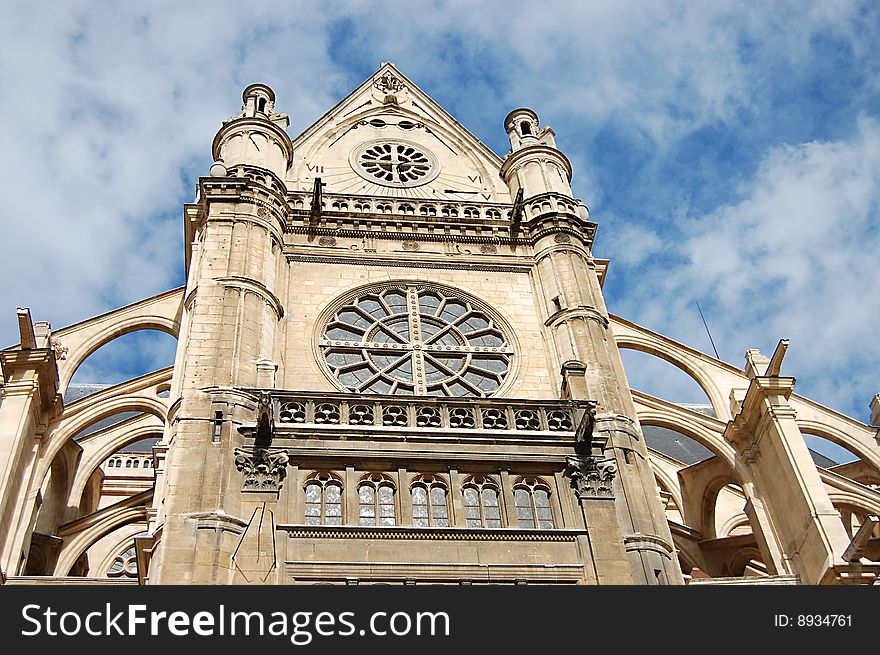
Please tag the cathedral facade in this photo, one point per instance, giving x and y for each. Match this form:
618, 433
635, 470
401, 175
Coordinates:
395, 365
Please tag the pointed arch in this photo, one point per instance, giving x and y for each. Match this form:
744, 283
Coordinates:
79, 535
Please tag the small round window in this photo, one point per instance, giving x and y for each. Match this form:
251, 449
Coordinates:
395, 163
414, 340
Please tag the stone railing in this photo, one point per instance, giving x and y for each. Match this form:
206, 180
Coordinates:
317, 410
424, 209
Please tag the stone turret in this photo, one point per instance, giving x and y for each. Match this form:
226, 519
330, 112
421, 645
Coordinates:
534, 163
583, 348
256, 137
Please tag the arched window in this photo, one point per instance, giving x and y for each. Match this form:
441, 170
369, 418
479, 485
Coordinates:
376, 500
429, 502
526, 128
532, 499
481, 508
136, 463
125, 565
128, 463
323, 504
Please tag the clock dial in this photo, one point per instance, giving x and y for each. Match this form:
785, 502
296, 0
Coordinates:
398, 168
395, 163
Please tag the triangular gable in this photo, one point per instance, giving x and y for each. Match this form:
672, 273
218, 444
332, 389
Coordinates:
387, 118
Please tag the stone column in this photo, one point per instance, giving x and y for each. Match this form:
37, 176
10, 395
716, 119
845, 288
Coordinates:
770, 446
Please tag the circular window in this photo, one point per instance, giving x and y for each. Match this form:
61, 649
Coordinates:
395, 163
415, 340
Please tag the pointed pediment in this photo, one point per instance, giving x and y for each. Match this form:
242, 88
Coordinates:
389, 138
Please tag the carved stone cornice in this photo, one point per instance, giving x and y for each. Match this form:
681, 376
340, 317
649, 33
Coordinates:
580, 311
29, 370
466, 262
247, 124
256, 287
648, 542
217, 520
429, 533
533, 152
608, 423
766, 398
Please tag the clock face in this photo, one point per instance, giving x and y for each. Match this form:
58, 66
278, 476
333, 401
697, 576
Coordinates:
396, 167
395, 163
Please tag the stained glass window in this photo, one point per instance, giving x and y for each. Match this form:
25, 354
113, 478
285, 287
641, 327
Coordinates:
429, 502
416, 341
323, 501
376, 502
481, 508
532, 500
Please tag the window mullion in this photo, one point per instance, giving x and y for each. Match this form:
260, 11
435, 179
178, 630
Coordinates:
415, 333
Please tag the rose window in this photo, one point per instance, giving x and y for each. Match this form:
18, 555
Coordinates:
395, 163
416, 341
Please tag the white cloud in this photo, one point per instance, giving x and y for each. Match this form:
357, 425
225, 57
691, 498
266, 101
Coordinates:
110, 109
795, 258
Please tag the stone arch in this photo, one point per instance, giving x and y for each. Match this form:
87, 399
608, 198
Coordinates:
665, 482
842, 439
78, 536
709, 505
714, 441
112, 439
644, 344
106, 335
849, 503
67, 429
734, 522
125, 539
741, 560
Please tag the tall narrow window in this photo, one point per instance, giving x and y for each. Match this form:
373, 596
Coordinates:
481, 508
376, 501
526, 128
532, 499
323, 500
429, 502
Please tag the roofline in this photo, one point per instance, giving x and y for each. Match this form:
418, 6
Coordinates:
305, 134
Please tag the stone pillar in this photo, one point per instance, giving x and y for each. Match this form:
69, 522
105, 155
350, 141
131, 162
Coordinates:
770, 446
592, 479
30, 401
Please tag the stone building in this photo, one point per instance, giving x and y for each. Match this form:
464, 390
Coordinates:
395, 365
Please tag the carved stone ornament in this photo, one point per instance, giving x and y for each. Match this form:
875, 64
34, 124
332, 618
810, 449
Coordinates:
327, 241
488, 249
388, 83
410, 245
60, 350
562, 238
591, 477
263, 469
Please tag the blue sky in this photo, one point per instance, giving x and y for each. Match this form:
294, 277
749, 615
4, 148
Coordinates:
729, 151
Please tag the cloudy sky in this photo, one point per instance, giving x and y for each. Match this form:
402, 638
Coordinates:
729, 151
